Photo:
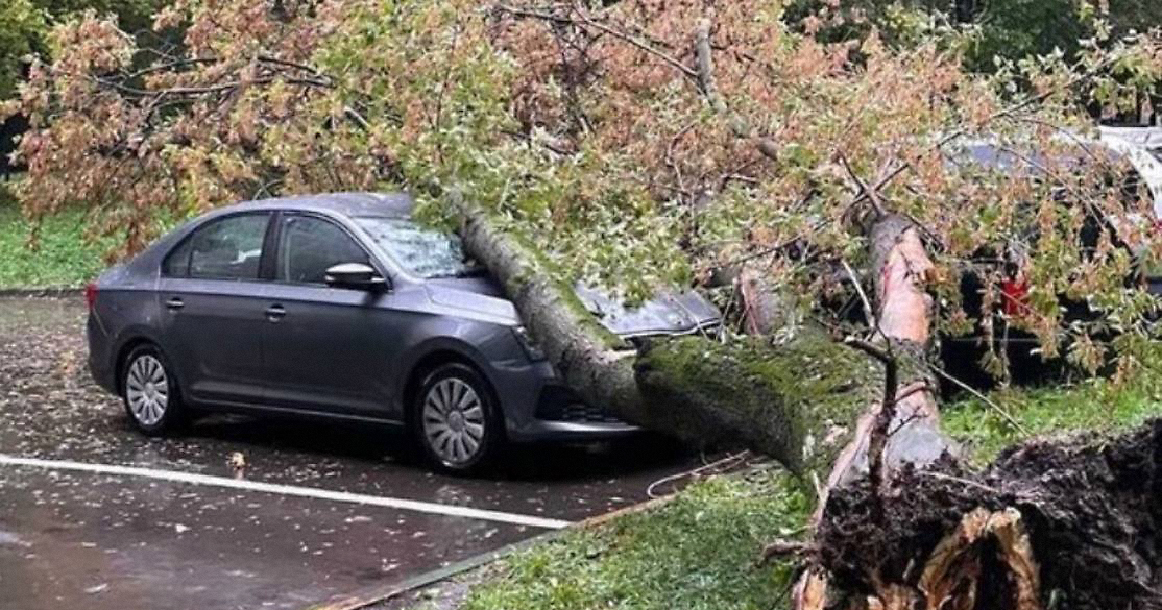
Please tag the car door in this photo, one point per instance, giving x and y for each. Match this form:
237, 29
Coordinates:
326, 351
212, 304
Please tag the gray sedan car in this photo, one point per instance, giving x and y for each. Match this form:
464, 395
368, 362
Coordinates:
341, 306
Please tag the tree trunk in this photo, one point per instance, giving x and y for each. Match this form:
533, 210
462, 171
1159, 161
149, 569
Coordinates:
903, 427
794, 403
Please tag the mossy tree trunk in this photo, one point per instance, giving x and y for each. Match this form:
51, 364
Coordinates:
812, 404
794, 402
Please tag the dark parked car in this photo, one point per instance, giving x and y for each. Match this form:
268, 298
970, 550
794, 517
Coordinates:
341, 306
1139, 184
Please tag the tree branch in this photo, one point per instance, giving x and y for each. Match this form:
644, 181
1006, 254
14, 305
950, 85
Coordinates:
584, 19
869, 348
738, 125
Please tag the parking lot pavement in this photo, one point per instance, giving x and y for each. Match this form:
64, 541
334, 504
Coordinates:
243, 513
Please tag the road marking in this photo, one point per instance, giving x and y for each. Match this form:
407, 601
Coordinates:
290, 490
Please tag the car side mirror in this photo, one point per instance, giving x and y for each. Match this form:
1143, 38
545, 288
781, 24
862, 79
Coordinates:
355, 275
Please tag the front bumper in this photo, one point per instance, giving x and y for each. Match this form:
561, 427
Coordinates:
538, 407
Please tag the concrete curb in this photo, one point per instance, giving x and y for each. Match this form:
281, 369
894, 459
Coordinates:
44, 293
382, 593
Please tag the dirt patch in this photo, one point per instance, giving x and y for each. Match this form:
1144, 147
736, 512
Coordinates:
1091, 508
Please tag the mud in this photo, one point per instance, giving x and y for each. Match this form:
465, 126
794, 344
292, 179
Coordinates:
1092, 508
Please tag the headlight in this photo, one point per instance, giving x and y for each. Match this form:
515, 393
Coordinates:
526, 341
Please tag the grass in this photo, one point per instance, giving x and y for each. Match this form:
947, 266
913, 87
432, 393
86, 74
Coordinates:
698, 551
64, 258
1096, 405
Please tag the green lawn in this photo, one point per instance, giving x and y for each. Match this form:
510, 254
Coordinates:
698, 551
695, 553
1096, 405
63, 258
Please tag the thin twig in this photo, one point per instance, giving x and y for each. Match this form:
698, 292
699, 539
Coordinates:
992, 405
786, 548
583, 19
869, 348
867, 306
873, 195
944, 477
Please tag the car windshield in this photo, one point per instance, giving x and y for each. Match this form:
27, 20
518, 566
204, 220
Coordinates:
424, 251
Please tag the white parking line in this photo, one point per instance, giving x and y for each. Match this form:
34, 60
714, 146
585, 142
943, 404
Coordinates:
289, 490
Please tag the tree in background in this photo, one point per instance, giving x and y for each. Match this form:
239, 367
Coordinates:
24, 26
651, 142
1006, 29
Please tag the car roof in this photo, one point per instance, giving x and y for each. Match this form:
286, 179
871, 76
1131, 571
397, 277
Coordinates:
347, 204
990, 154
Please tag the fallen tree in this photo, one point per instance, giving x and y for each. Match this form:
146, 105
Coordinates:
689, 388
651, 142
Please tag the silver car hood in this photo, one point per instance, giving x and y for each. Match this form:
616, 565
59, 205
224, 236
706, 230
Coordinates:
667, 313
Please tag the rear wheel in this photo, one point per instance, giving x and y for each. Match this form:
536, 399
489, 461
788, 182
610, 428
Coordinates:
150, 393
455, 419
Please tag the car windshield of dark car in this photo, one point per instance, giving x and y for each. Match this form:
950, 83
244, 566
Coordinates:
424, 251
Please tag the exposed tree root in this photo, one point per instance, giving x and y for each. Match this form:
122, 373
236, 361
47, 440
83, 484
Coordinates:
1051, 524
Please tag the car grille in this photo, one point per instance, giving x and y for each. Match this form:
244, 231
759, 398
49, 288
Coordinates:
561, 404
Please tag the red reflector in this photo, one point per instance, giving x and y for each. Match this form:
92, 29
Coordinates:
91, 295
1014, 297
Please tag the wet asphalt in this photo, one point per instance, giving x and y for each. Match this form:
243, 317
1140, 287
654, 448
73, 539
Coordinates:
117, 541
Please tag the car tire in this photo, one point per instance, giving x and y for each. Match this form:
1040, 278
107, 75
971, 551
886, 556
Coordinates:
150, 392
455, 419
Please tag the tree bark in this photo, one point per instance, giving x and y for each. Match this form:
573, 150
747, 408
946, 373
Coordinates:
909, 416
765, 313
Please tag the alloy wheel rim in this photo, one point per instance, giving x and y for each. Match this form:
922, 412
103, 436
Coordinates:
453, 421
147, 390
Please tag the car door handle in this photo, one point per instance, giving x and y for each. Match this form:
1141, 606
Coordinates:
174, 304
274, 313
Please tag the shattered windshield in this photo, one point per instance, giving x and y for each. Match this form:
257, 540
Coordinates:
424, 251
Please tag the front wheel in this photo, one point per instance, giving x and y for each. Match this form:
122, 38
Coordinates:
150, 393
456, 421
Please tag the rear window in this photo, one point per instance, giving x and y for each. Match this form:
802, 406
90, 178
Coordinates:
229, 249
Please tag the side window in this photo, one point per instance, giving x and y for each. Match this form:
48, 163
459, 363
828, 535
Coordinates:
177, 263
229, 249
308, 246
